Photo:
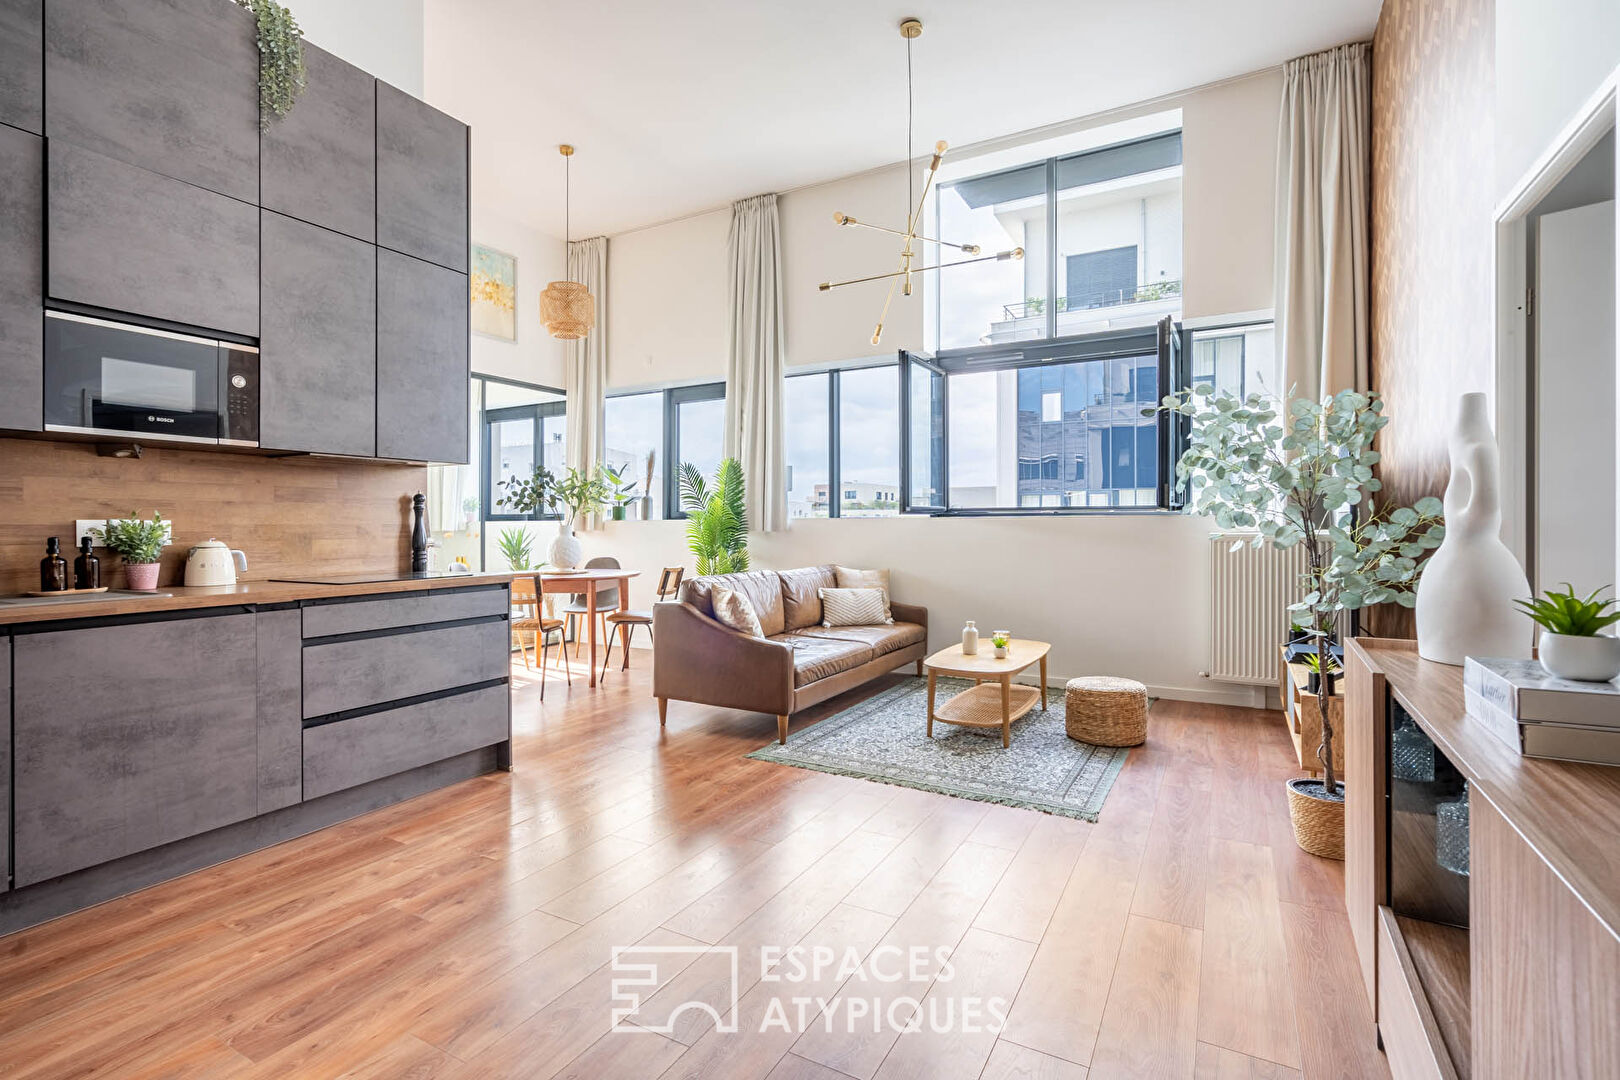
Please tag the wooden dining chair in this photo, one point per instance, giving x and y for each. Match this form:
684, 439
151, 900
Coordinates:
532, 621
624, 623
607, 601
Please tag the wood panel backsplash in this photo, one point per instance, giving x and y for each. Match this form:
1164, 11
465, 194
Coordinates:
289, 515
1433, 101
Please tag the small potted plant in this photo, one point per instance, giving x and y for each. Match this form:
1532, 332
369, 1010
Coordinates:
1001, 639
647, 489
517, 548
1573, 645
1321, 673
139, 543
619, 489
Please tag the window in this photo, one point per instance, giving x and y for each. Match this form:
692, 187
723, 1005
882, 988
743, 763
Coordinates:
633, 441
1101, 233
1238, 359
869, 441
807, 405
523, 426
645, 431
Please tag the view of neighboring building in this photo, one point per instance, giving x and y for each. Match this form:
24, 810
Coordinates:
857, 499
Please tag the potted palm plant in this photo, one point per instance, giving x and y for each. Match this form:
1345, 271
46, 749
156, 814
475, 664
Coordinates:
139, 543
517, 548
1573, 644
716, 520
1305, 476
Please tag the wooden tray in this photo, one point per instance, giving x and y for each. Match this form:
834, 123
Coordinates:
66, 592
981, 706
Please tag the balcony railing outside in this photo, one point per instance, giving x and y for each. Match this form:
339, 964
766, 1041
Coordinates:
1142, 294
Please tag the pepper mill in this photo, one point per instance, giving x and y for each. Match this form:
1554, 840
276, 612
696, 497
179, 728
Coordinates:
419, 541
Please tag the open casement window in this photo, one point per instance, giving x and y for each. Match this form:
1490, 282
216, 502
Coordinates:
1050, 427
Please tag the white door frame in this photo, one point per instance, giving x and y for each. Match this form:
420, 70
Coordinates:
1512, 389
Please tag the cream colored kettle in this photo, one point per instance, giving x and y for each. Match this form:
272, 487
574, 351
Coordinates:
213, 563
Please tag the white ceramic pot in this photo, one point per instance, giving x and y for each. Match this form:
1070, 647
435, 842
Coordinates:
1465, 597
565, 551
1584, 659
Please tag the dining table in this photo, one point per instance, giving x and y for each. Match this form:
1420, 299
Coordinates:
589, 583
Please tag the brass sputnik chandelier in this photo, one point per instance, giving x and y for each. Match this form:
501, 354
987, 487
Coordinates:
911, 29
567, 308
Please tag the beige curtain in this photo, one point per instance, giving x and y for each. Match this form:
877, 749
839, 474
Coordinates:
585, 375
757, 361
1323, 171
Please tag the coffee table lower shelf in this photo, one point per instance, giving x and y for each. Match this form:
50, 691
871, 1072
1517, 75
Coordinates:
980, 707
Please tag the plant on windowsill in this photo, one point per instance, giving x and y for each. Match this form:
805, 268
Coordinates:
281, 59
1573, 645
647, 489
716, 518
1306, 477
516, 547
139, 543
620, 489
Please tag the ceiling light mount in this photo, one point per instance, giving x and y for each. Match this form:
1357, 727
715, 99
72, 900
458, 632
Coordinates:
567, 308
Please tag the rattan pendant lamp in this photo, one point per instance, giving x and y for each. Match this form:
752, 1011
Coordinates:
567, 308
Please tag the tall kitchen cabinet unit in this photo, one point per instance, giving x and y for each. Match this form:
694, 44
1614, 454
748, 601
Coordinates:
22, 208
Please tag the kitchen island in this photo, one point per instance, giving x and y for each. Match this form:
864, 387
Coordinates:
152, 736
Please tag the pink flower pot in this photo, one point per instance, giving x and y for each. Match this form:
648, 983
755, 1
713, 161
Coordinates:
142, 577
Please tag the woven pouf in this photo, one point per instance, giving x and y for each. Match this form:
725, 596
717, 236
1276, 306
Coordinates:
1105, 711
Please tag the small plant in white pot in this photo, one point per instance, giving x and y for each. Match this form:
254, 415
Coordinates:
139, 543
1001, 640
1573, 645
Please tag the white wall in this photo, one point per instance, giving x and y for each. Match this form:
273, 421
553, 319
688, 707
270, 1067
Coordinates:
536, 356
382, 36
667, 302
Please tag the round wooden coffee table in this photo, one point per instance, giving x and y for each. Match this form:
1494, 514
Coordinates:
987, 706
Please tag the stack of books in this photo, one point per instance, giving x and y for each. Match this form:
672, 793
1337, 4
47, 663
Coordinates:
1543, 716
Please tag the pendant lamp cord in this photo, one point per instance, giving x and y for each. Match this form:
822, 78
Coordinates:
910, 197
567, 195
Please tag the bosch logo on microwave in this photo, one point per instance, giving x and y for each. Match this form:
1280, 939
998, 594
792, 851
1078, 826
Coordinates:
160, 419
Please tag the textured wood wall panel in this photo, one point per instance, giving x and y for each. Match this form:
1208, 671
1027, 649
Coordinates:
293, 515
1432, 237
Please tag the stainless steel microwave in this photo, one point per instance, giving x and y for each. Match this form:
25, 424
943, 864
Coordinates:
109, 378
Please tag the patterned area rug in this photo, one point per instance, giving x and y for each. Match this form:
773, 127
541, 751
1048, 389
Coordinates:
884, 738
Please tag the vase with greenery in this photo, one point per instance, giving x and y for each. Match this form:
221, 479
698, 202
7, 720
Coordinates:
281, 59
716, 518
139, 543
581, 493
1304, 475
621, 489
516, 547
1573, 644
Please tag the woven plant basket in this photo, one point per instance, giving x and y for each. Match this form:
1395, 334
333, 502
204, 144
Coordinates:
1105, 711
1318, 823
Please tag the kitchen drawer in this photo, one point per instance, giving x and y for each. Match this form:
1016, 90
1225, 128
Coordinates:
408, 609
355, 673
349, 752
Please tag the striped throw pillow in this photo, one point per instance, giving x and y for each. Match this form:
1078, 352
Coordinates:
854, 607
736, 611
850, 578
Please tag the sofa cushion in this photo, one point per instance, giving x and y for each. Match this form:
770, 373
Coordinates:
850, 578
801, 599
762, 587
733, 609
816, 658
881, 639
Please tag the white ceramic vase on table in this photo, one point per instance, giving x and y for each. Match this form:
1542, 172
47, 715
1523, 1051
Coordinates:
565, 551
1465, 597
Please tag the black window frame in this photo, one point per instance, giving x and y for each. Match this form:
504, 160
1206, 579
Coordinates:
487, 417
671, 400
835, 480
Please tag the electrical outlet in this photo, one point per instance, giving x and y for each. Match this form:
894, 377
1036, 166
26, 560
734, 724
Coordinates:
82, 527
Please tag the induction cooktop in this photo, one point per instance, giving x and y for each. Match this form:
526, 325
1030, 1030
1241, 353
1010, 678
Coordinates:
375, 578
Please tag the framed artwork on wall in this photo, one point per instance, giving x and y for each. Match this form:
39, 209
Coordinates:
493, 283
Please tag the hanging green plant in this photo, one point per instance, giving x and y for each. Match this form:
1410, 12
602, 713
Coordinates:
281, 59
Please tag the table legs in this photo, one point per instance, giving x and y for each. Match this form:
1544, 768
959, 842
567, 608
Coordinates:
1006, 711
1043, 684
931, 678
590, 624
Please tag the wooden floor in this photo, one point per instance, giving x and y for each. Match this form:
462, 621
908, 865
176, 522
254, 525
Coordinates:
468, 932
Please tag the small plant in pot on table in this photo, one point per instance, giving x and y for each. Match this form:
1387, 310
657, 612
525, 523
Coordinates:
1306, 477
139, 543
1573, 645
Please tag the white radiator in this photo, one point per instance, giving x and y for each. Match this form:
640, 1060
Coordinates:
1250, 590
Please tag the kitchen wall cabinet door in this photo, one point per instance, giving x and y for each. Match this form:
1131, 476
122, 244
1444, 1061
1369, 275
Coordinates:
22, 280
317, 340
422, 358
421, 180
129, 736
319, 162
129, 240
22, 65
169, 85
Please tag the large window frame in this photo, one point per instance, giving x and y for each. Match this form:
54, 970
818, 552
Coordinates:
835, 480
537, 413
672, 399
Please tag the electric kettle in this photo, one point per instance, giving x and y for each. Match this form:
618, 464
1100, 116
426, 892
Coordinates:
213, 563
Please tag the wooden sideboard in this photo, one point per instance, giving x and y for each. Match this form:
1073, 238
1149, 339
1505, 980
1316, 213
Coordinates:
1511, 970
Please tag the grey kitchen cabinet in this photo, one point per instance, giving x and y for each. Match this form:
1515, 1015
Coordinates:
22, 280
422, 360
326, 618
22, 65
319, 162
279, 716
347, 753
317, 340
169, 85
357, 673
130, 735
5, 763
122, 238
421, 180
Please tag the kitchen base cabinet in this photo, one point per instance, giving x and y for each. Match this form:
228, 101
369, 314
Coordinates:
350, 752
391, 666
280, 725
5, 764
130, 736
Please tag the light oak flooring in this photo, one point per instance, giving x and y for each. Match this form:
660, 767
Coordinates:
468, 933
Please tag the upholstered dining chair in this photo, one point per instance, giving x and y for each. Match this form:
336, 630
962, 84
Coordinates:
532, 621
607, 600
624, 623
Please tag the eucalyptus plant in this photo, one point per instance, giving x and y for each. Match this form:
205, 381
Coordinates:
716, 519
281, 59
583, 493
1304, 475
531, 494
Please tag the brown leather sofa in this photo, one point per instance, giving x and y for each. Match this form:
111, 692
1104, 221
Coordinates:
796, 664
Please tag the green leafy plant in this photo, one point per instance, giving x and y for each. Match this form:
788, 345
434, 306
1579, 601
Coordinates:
532, 494
281, 59
1000, 641
716, 519
1306, 477
621, 486
516, 547
1314, 664
132, 539
582, 493
1565, 613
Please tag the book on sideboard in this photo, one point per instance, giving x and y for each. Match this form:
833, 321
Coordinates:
1540, 715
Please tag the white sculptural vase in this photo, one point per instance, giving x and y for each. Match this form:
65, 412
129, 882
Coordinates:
565, 551
1465, 597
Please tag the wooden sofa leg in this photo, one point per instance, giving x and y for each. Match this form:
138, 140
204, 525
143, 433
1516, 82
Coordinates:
781, 729
663, 710
919, 667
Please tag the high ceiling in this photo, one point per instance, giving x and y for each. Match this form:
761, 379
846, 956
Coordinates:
683, 106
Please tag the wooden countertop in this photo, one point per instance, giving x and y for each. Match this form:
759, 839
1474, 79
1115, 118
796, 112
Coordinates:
1569, 813
247, 592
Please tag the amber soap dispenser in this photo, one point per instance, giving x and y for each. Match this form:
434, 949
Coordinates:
53, 569
86, 568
